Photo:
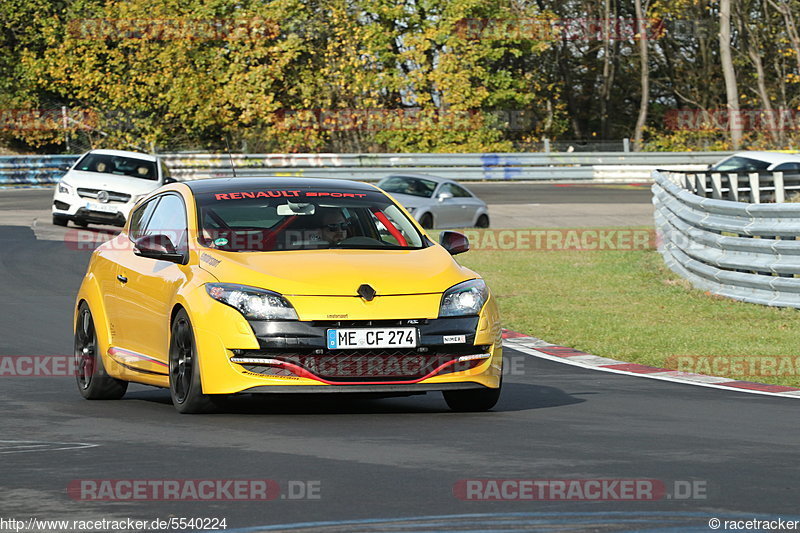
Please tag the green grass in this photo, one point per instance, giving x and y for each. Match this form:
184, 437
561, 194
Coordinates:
629, 306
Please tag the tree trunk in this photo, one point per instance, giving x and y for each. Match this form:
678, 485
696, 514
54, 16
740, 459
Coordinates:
751, 41
764, 95
783, 7
608, 73
731, 89
645, 76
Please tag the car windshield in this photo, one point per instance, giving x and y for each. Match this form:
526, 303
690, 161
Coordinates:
119, 165
740, 164
303, 219
408, 185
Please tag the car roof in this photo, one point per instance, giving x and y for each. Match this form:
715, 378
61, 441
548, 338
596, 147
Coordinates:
124, 153
222, 185
769, 157
430, 177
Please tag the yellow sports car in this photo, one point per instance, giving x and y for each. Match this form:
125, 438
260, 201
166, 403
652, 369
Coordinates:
279, 285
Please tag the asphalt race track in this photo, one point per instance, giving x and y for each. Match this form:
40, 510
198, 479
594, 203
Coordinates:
389, 464
511, 205
505, 192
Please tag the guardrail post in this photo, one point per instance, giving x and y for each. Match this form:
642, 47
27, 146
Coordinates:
733, 184
780, 192
716, 185
755, 191
626, 145
547, 145
700, 182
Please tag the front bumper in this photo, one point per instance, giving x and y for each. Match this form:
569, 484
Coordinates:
75, 208
291, 356
377, 390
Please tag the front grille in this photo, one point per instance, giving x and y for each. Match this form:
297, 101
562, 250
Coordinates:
368, 323
456, 350
98, 215
363, 365
119, 197
301, 335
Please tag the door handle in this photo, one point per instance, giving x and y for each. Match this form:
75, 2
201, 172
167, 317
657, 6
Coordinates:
122, 279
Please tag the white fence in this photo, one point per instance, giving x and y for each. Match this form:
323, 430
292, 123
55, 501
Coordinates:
597, 166
567, 166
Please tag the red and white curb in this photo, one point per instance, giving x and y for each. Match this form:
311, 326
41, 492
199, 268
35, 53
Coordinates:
570, 356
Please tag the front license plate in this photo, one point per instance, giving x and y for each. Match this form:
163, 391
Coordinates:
103, 208
341, 339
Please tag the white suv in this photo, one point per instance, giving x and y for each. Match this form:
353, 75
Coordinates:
103, 186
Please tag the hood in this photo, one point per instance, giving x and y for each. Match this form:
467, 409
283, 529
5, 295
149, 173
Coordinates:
110, 182
339, 272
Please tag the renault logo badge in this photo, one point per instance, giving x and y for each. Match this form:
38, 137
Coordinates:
366, 292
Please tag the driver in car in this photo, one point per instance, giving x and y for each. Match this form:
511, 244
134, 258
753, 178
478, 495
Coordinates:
333, 226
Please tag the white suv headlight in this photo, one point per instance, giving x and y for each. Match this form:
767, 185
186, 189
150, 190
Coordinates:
64, 187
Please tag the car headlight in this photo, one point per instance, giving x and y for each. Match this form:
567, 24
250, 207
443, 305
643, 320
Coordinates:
411, 209
464, 299
253, 303
64, 187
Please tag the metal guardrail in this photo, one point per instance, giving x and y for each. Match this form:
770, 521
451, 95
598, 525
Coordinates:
490, 166
753, 187
597, 166
34, 169
744, 251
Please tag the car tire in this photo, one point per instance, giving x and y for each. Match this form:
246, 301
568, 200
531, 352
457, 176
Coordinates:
426, 221
483, 222
185, 386
94, 383
472, 400
60, 220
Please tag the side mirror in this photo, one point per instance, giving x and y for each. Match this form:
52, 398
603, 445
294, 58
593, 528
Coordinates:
444, 196
454, 242
169, 179
157, 247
